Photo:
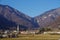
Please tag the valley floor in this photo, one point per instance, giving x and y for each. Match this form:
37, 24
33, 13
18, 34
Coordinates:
35, 37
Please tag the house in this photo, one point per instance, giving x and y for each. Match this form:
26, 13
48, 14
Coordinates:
52, 32
29, 32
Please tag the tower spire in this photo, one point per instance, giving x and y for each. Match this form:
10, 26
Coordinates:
17, 28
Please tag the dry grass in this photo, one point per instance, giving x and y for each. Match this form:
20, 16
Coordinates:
35, 37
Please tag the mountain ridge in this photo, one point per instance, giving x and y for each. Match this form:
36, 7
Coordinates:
10, 18
17, 17
49, 18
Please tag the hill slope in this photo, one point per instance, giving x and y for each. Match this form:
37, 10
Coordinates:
10, 18
50, 18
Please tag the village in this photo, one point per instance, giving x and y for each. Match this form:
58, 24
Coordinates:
15, 33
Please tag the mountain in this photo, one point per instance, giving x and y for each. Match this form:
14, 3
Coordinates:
10, 18
49, 18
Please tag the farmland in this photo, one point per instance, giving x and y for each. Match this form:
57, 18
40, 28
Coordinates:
34, 37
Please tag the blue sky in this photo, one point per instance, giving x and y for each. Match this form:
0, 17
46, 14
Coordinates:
32, 8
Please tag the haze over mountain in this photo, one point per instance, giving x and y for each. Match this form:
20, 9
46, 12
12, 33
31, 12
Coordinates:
10, 18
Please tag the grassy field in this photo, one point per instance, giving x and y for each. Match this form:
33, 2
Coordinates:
35, 37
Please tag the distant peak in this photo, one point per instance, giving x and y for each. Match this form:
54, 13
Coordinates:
3, 5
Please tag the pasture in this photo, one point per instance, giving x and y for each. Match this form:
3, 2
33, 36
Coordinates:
34, 37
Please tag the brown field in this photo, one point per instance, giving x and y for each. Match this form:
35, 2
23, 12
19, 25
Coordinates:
35, 37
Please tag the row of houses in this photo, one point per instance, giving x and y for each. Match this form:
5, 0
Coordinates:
9, 34
14, 33
29, 32
53, 32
